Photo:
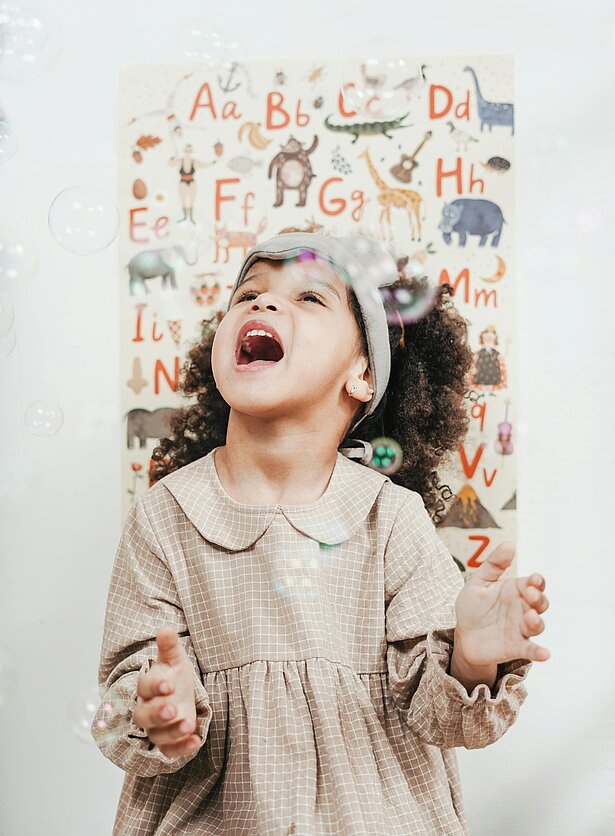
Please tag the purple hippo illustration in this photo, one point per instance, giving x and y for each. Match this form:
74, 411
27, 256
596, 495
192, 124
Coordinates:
471, 216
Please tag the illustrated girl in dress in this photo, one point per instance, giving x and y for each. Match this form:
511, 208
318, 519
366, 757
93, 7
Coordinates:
488, 371
332, 702
187, 183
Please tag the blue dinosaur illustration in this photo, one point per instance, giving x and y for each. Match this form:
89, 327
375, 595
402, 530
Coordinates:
492, 113
471, 216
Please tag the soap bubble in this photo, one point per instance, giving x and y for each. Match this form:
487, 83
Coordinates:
410, 302
18, 262
84, 219
44, 418
363, 263
7, 314
93, 720
387, 456
29, 40
383, 83
8, 142
199, 40
24, 31
7, 342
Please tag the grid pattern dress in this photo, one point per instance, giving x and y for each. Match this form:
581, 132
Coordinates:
320, 636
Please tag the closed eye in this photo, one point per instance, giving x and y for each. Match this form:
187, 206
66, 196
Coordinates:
311, 293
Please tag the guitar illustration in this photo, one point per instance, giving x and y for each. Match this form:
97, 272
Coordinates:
402, 171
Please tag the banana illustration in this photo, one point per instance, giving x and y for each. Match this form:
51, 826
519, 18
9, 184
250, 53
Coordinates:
255, 138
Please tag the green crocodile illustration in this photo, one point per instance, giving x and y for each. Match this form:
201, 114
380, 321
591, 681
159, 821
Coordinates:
369, 127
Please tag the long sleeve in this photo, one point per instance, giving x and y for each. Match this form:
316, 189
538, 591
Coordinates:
142, 597
422, 583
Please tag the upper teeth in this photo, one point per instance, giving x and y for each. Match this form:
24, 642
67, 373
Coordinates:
260, 333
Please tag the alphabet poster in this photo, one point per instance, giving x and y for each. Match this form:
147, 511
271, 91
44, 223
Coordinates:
213, 160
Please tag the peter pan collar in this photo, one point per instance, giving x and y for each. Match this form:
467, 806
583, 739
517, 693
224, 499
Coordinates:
331, 519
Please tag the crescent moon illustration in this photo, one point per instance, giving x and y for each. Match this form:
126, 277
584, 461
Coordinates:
499, 273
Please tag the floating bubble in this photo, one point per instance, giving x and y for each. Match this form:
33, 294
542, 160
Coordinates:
24, 31
373, 266
199, 40
84, 219
410, 302
29, 40
384, 83
44, 418
301, 576
7, 314
8, 142
387, 455
8, 342
94, 720
18, 263
366, 263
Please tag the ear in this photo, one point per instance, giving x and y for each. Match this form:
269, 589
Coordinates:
361, 377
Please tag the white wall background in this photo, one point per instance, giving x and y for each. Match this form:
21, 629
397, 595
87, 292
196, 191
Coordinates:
553, 773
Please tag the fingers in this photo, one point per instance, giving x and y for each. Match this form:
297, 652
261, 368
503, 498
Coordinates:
174, 750
170, 649
535, 653
154, 683
495, 565
533, 596
175, 733
158, 711
178, 732
533, 624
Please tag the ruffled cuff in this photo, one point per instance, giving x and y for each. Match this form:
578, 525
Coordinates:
126, 744
508, 675
444, 714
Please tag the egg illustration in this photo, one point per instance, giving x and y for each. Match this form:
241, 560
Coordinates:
139, 189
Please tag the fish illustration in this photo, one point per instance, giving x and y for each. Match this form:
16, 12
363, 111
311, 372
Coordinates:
243, 165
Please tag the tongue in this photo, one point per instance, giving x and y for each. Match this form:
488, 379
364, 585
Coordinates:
259, 347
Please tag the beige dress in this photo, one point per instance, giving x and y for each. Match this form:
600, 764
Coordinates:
321, 636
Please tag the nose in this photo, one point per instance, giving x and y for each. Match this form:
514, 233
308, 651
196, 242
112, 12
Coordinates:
263, 301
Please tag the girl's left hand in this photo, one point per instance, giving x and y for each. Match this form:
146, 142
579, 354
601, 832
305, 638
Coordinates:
496, 616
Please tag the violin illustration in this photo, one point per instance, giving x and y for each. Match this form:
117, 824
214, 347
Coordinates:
402, 171
503, 444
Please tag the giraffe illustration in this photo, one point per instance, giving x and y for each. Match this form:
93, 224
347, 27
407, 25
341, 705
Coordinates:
389, 196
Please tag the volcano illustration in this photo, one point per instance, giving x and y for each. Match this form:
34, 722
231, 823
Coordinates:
467, 511
511, 505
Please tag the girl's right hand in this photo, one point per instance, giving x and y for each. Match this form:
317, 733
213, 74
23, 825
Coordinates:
172, 669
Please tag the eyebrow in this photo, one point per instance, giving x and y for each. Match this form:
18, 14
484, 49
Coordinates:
311, 281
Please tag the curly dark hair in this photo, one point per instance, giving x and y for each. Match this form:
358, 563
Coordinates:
423, 408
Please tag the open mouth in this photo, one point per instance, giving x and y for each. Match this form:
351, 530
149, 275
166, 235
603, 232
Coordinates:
258, 345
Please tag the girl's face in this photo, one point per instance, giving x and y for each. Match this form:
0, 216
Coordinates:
304, 303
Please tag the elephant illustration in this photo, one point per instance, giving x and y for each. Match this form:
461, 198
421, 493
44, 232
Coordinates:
472, 216
143, 424
163, 262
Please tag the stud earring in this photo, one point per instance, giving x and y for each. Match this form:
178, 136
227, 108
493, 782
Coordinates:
352, 389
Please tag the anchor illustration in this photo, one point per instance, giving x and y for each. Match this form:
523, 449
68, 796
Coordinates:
226, 86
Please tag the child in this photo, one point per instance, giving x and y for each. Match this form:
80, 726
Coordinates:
292, 608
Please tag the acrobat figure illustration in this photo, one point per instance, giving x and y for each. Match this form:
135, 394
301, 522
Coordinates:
488, 370
187, 183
